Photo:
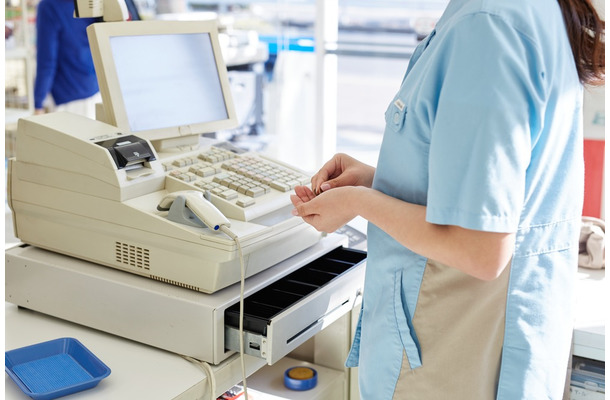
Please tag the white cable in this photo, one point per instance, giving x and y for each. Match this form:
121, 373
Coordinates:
208, 373
242, 265
204, 365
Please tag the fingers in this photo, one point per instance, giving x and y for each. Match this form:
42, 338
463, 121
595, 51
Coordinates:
327, 185
342, 170
305, 193
330, 170
302, 196
326, 212
316, 184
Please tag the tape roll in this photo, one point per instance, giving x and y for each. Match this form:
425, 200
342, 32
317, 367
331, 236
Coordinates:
300, 378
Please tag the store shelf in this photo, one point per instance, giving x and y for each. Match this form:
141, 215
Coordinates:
269, 382
589, 327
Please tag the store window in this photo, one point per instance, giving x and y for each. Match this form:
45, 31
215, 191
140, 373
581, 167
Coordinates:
276, 68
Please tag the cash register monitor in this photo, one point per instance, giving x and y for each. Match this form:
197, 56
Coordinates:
162, 79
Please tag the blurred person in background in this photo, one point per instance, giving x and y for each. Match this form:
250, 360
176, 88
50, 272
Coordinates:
65, 75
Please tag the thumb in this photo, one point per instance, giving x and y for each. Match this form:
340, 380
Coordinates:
333, 183
325, 186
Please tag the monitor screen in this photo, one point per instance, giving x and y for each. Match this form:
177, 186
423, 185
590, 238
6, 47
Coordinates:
162, 79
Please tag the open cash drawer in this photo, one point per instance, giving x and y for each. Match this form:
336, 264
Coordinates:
283, 315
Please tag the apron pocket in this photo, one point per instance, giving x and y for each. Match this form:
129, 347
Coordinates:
353, 358
403, 322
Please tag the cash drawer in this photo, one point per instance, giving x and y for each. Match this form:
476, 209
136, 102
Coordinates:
185, 321
281, 316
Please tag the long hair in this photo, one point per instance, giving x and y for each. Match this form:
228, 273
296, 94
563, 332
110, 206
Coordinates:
586, 32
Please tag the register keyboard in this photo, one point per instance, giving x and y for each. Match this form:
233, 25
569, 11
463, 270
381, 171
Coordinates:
243, 186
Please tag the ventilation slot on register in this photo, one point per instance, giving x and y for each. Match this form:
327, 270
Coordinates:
175, 283
132, 256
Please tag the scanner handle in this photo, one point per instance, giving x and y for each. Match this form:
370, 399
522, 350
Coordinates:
201, 207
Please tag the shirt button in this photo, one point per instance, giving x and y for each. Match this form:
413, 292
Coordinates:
396, 118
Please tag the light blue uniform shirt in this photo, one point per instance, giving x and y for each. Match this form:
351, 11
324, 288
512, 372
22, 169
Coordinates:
486, 132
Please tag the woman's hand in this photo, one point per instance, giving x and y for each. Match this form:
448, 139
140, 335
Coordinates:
342, 170
327, 212
483, 255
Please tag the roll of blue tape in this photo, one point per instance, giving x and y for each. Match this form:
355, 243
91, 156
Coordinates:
300, 378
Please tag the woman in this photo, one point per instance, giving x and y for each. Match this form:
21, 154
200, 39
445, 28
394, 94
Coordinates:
474, 208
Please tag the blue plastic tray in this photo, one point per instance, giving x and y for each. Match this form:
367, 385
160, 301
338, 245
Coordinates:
55, 368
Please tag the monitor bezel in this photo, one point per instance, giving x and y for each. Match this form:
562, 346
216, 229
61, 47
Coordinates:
113, 104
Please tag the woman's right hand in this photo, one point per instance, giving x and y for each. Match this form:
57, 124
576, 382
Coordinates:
342, 170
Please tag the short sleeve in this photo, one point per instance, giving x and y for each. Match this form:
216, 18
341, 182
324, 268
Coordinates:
480, 144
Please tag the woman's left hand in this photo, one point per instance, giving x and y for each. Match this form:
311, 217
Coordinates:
326, 212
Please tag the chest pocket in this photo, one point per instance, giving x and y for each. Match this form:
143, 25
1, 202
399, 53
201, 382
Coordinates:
395, 115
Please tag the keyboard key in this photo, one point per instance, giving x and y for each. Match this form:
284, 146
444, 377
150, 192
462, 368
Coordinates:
281, 186
207, 171
220, 177
203, 185
228, 194
255, 191
245, 202
292, 184
188, 177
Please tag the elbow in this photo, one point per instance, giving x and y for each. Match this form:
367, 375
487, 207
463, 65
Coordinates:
481, 268
489, 271
489, 258
482, 255
489, 274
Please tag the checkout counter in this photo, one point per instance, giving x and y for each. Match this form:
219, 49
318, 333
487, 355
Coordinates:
144, 371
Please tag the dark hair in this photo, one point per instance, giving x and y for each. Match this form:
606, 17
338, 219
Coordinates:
586, 31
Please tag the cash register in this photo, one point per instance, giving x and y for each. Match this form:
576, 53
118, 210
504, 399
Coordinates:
137, 225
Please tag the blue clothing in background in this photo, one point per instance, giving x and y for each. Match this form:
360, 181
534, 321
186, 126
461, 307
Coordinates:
64, 67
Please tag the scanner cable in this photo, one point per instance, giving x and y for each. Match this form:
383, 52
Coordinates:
242, 265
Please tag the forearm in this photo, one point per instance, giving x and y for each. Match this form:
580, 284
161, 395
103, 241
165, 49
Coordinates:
481, 254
